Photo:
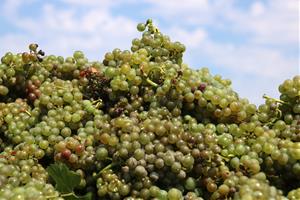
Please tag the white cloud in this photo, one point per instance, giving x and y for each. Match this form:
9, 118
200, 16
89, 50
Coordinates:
183, 12
269, 22
192, 39
257, 9
177, 6
274, 23
13, 43
250, 59
254, 90
87, 2
10, 7
62, 30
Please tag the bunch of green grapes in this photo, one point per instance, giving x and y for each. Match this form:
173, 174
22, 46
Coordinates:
141, 124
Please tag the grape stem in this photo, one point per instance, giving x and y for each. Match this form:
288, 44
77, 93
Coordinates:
98, 105
151, 82
27, 112
104, 169
276, 100
60, 87
96, 101
52, 196
161, 70
227, 158
62, 195
151, 26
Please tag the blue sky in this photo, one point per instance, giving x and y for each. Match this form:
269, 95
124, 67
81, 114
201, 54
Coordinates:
255, 43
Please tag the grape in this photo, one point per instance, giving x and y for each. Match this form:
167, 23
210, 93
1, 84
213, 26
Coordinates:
32, 190
190, 183
141, 27
174, 194
294, 194
3, 90
101, 153
141, 124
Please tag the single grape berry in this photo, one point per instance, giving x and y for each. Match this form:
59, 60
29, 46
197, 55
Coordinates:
33, 47
141, 27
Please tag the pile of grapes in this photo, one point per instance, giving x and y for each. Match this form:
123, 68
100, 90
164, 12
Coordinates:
141, 124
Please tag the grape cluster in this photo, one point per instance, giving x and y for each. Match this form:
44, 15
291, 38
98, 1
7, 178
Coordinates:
34, 189
141, 124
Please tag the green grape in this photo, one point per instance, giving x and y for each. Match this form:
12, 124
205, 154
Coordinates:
68, 97
78, 55
3, 90
190, 183
76, 117
294, 194
101, 153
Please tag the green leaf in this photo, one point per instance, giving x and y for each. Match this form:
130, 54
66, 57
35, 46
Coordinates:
65, 179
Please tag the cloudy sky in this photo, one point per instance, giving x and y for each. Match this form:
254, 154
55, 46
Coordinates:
255, 43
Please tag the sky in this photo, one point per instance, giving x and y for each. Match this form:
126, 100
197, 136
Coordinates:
254, 43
